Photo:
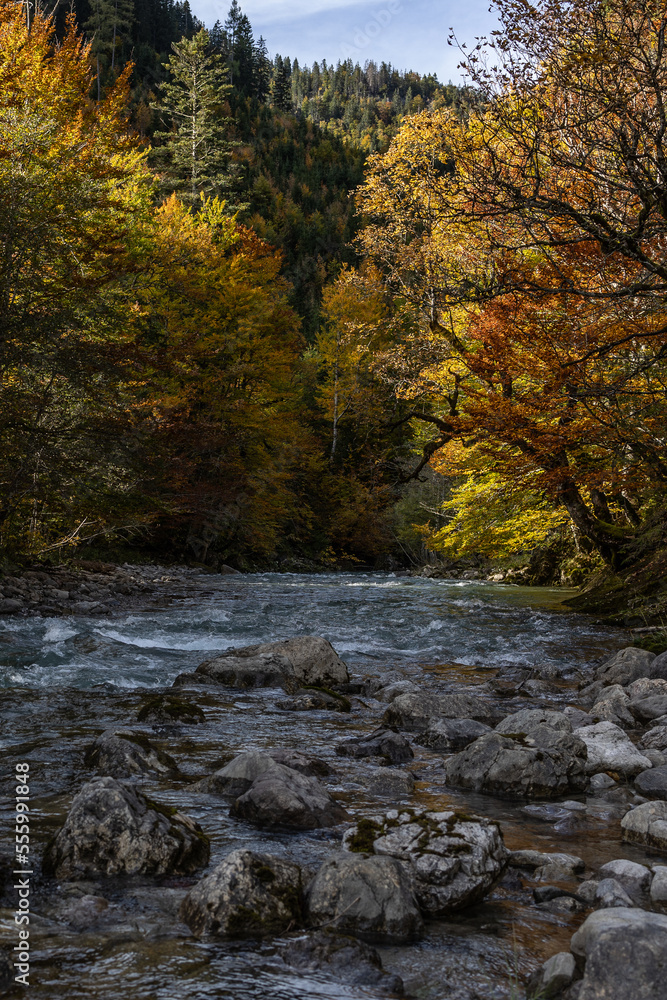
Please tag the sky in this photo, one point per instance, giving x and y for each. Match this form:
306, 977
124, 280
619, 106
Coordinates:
410, 34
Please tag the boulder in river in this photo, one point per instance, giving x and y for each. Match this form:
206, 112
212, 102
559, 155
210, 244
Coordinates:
315, 699
646, 824
543, 764
625, 666
124, 754
635, 878
413, 712
369, 897
384, 743
236, 777
622, 951
281, 797
247, 894
609, 749
306, 661
112, 829
170, 709
455, 859
451, 734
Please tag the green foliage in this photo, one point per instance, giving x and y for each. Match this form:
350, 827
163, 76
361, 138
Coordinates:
196, 149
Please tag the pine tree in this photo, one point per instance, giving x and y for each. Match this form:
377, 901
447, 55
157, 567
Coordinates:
110, 21
282, 84
262, 70
196, 144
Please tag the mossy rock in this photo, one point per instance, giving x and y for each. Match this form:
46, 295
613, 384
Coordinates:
168, 708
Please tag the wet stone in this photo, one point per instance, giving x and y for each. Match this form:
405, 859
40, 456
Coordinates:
303, 661
248, 894
653, 783
451, 734
456, 859
647, 825
384, 743
111, 829
281, 797
369, 897
121, 753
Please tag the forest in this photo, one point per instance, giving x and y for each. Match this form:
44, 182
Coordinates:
280, 316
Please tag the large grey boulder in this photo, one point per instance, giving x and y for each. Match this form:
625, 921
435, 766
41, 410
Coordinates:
624, 953
282, 797
451, 734
625, 666
455, 858
247, 894
385, 743
414, 711
544, 764
308, 660
111, 829
609, 749
123, 754
547, 866
529, 719
646, 824
370, 898
649, 708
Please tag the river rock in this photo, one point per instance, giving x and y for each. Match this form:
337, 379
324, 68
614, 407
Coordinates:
247, 894
455, 858
111, 828
609, 749
545, 764
653, 783
624, 954
547, 865
649, 708
413, 712
613, 705
635, 878
310, 700
307, 661
312, 766
170, 709
392, 691
529, 719
654, 739
646, 824
625, 666
391, 783
281, 797
342, 958
370, 898
236, 778
658, 667
610, 893
658, 893
451, 734
123, 754
553, 977
381, 743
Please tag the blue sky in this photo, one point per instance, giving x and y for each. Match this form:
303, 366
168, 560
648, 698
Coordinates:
411, 34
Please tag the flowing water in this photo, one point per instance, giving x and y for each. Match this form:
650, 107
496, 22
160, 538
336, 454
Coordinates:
64, 680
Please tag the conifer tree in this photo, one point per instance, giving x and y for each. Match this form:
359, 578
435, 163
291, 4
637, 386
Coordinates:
197, 148
109, 22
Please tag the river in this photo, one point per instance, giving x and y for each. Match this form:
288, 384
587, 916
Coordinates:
65, 680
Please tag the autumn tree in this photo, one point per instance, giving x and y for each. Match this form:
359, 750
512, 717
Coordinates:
74, 194
527, 239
